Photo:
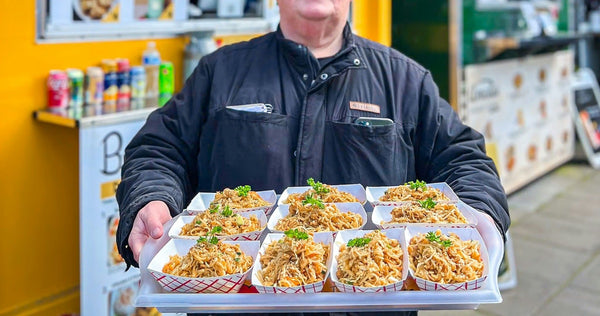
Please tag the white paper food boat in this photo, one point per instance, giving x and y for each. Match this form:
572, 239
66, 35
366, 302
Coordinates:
383, 214
172, 283
283, 210
343, 237
357, 190
374, 193
201, 202
175, 230
466, 233
317, 287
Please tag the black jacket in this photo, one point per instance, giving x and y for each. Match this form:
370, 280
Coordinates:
196, 144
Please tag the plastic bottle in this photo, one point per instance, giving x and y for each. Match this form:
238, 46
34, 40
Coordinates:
151, 62
201, 43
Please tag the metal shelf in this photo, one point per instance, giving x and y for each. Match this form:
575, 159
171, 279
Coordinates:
220, 26
96, 120
513, 47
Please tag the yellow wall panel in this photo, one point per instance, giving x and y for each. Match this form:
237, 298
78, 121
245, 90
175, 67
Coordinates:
373, 19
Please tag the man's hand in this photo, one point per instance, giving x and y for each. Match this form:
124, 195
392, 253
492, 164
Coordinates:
148, 224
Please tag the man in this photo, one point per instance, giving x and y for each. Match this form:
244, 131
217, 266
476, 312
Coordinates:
319, 79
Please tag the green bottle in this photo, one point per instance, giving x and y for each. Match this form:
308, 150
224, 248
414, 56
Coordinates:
166, 83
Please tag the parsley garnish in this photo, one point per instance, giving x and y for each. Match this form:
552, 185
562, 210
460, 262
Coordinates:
243, 190
237, 259
432, 237
309, 199
428, 204
214, 208
198, 222
227, 211
296, 234
417, 184
210, 236
358, 242
317, 186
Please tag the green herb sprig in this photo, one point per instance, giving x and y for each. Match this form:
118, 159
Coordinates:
214, 208
227, 212
428, 203
210, 236
243, 190
432, 237
309, 199
358, 242
319, 187
417, 184
296, 234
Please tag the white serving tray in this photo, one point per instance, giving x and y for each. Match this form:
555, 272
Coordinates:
374, 193
384, 214
357, 190
255, 235
151, 294
283, 210
201, 202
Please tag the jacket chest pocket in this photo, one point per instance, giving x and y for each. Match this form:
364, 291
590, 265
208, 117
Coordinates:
250, 148
370, 155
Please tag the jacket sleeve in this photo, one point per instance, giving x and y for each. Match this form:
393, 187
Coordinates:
160, 161
449, 151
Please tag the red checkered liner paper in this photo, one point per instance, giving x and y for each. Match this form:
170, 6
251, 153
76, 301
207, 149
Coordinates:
374, 193
172, 283
317, 287
182, 220
465, 233
343, 237
201, 202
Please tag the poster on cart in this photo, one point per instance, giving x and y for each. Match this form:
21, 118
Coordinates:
109, 18
106, 288
522, 107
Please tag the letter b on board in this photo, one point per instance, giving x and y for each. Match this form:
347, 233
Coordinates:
112, 159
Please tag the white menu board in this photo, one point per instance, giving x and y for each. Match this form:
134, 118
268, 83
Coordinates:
522, 107
106, 288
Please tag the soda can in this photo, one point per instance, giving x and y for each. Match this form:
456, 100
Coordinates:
124, 84
58, 91
75, 87
166, 83
138, 87
94, 86
111, 89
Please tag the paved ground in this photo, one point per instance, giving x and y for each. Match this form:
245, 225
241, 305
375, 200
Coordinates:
556, 236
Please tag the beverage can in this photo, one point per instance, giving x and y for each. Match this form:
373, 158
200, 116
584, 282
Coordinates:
58, 90
138, 87
75, 87
166, 83
111, 89
124, 84
94, 86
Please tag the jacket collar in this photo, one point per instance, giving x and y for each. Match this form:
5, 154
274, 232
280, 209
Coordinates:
303, 61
